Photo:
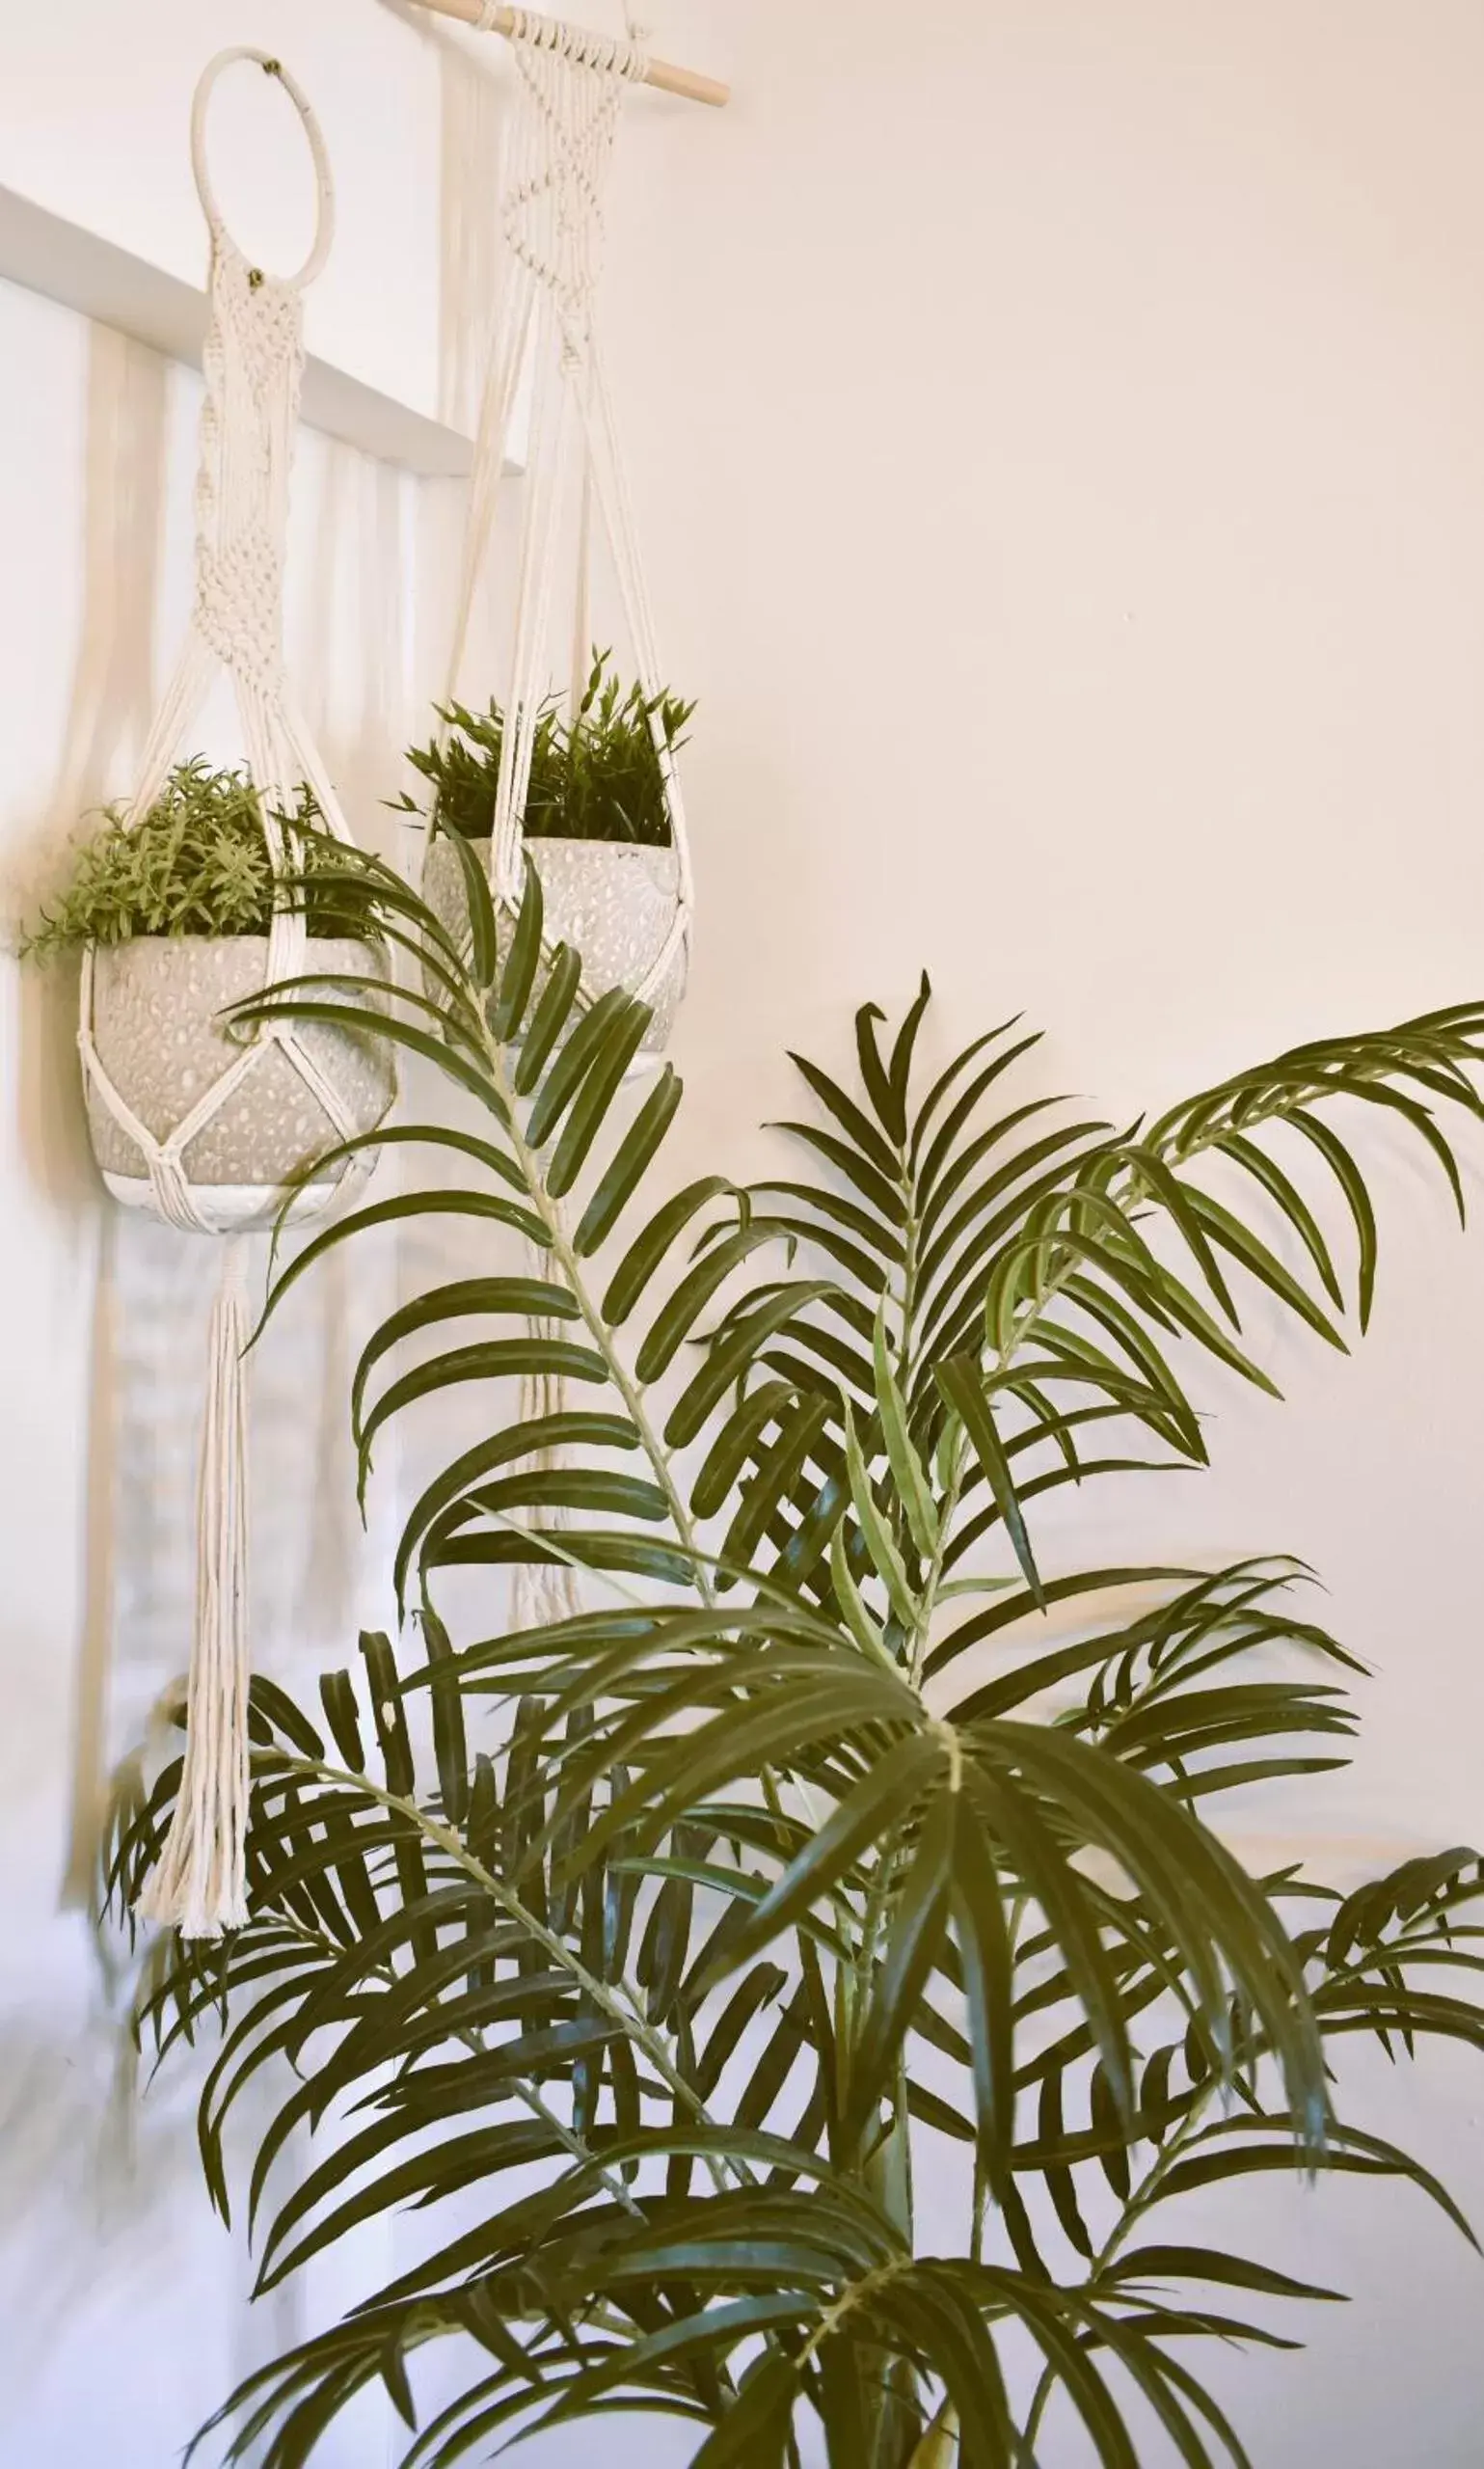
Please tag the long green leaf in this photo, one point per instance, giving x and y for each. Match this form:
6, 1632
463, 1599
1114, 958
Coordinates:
629, 1165
907, 1468
963, 1386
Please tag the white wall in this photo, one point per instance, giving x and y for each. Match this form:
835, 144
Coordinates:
1056, 435
1059, 432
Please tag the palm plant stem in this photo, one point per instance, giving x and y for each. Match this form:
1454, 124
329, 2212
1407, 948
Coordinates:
1146, 2192
576, 2144
628, 1388
451, 1843
1139, 2203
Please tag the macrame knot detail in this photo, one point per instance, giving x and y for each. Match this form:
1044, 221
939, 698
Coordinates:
240, 589
577, 44
252, 365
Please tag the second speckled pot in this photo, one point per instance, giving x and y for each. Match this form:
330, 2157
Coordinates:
612, 901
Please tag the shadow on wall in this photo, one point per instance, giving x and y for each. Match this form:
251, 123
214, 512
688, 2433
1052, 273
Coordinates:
352, 593
87, 2170
103, 2224
109, 710
473, 120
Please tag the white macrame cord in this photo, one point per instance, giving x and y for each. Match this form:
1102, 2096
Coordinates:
253, 362
200, 1882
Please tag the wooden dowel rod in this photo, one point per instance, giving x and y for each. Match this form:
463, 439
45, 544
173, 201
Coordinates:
687, 82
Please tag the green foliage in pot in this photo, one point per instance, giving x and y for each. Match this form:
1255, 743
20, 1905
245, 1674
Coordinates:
648, 1950
196, 864
594, 776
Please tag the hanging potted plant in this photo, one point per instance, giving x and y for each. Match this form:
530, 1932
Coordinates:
597, 824
173, 915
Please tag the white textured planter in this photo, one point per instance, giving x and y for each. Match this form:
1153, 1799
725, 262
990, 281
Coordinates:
612, 901
159, 1038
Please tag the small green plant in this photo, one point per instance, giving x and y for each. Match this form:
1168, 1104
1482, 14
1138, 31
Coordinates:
198, 865
596, 777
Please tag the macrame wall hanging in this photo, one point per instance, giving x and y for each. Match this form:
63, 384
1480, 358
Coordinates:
202, 1126
623, 906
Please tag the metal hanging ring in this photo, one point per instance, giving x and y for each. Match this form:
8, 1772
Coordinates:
272, 66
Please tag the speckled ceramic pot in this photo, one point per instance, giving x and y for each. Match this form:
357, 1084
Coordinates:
613, 901
157, 1031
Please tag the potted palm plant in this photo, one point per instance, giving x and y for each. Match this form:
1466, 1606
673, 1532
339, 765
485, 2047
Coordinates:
647, 1951
173, 914
597, 826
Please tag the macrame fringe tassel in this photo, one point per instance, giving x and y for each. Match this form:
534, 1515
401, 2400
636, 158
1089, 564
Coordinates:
200, 1886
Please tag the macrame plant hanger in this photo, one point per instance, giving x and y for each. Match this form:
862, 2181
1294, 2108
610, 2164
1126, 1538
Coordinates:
571, 90
253, 362
571, 87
